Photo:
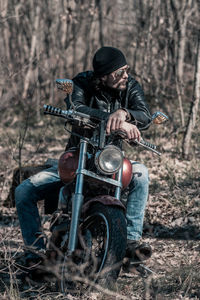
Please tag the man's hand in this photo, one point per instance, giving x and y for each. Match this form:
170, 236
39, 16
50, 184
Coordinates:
131, 130
116, 120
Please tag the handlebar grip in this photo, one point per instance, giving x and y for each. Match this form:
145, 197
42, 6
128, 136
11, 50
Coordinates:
51, 110
145, 143
48, 109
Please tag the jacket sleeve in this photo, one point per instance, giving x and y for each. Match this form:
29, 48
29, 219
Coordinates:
80, 99
137, 107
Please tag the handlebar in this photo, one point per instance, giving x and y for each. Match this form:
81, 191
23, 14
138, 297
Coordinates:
71, 115
78, 116
67, 114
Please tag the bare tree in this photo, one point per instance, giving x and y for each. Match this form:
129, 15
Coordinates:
194, 105
100, 17
43, 40
181, 11
34, 42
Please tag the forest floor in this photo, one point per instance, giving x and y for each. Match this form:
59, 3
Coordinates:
172, 222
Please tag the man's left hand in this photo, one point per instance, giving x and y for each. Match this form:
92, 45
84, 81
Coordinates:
131, 131
116, 120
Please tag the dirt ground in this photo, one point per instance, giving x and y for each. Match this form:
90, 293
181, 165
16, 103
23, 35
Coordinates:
174, 266
172, 227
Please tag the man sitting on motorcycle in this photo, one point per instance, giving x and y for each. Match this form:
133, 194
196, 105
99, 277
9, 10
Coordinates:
108, 92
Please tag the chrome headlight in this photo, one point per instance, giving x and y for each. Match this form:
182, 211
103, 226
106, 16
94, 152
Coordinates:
109, 160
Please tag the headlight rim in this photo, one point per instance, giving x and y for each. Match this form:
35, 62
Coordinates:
98, 156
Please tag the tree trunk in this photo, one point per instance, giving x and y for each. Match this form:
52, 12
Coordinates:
194, 104
101, 40
34, 41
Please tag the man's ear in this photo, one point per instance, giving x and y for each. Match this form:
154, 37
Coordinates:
103, 78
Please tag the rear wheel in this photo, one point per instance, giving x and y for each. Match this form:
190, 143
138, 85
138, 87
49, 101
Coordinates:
102, 246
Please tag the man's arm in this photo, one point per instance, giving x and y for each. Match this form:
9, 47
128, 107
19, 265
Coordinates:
79, 99
117, 121
136, 106
134, 117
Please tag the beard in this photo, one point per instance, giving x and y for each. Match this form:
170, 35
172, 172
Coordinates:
122, 85
118, 85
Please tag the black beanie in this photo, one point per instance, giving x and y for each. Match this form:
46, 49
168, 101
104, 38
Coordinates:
108, 59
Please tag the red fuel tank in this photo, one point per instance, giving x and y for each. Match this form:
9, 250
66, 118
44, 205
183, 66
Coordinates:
67, 165
127, 173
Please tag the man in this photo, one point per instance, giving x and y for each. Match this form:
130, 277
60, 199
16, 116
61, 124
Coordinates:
108, 92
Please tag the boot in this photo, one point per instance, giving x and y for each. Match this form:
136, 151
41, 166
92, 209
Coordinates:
136, 253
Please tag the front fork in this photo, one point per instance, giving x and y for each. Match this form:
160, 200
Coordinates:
77, 199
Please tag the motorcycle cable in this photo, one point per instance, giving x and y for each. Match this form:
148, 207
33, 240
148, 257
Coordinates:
79, 136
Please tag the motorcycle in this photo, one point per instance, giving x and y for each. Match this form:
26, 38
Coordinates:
89, 226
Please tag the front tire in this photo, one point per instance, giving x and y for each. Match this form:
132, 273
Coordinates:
102, 246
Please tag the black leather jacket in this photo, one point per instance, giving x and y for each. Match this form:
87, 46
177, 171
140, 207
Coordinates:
101, 102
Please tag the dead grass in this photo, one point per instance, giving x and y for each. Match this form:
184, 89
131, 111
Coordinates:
172, 222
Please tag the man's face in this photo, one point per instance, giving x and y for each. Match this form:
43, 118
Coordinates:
117, 79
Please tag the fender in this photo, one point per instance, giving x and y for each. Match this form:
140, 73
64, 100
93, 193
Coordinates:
105, 200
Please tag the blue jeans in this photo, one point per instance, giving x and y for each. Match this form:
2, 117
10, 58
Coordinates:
136, 201
30, 191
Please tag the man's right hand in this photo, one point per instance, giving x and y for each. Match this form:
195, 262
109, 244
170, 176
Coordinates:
115, 120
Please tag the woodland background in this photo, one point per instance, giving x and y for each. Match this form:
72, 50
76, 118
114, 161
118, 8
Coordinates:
44, 40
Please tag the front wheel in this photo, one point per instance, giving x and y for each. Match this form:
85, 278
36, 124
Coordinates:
102, 246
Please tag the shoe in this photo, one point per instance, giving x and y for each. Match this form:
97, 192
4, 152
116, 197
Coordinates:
136, 253
28, 262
